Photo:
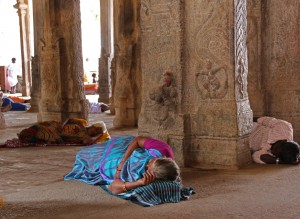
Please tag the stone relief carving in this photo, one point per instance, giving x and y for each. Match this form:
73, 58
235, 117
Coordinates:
245, 117
162, 33
242, 79
211, 30
241, 62
211, 83
241, 68
165, 100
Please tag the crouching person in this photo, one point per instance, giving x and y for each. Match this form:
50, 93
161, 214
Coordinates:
271, 142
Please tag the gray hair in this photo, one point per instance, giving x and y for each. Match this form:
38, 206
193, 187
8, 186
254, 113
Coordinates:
166, 169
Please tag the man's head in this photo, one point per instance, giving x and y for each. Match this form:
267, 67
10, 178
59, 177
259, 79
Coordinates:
13, 60
289, 153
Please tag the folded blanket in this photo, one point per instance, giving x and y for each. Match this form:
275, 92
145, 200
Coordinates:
155, 193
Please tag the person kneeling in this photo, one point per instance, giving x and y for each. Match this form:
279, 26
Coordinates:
271, 142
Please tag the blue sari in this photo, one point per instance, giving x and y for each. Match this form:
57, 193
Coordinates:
97, 164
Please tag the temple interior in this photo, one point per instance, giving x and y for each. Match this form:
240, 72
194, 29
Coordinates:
225, 62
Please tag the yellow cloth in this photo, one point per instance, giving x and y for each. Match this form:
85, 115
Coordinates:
104, 137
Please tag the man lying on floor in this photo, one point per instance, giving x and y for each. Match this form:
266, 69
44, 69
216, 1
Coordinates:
70, 132
271, 142
139, 169
8, 104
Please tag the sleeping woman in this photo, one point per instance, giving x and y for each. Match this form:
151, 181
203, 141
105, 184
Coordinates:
128, 166
72, 132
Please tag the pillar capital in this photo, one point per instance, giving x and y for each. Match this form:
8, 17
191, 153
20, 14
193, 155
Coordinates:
21, 6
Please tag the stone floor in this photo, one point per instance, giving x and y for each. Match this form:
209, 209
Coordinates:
32, 186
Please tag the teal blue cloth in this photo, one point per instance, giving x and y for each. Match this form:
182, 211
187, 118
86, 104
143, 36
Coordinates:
97, 164
155, 193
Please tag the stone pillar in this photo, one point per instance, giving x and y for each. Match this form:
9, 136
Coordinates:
106, 33
22, 10
206, 115
281, 61
71, 65
61, 68
2, 117
50, 104
162, 33
38, 12
127, 73
28, 39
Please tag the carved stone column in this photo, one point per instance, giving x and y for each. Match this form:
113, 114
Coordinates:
39, 13
281, 65
127, 72
25, 51
106, 32
61, 69
162, 33
207, 117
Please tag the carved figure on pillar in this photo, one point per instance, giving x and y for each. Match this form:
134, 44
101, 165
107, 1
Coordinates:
211, 82
165, 94
242, 79
165, 100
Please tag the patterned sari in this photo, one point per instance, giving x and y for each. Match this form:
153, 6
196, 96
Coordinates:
52, 132
97, 164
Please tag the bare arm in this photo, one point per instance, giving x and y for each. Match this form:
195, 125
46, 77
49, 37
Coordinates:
136, 143
268, 159
118, 186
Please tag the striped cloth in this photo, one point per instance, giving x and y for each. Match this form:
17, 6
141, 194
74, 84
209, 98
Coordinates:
155, 193
265, 132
